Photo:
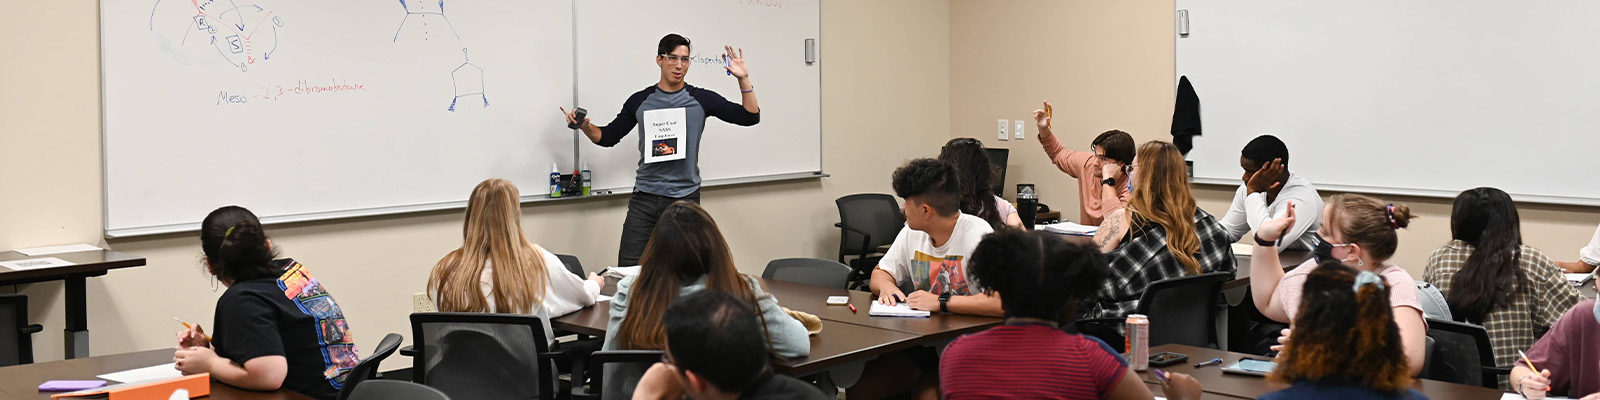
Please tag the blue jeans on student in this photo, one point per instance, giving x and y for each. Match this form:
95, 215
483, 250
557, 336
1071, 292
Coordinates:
643, 210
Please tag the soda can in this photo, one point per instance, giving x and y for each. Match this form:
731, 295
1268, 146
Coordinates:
1138, 341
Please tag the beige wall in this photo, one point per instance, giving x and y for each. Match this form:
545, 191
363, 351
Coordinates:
1109, 65
894, 53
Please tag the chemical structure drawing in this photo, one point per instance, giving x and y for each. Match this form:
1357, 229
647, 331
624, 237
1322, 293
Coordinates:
423, 18
242, 35
468, 81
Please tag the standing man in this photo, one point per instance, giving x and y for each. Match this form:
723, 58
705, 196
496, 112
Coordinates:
670, 117
1112, 147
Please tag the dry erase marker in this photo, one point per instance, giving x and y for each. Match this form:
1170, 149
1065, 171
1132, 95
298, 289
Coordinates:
1162, 375
729, 63
852, 308
1214, 361
191, 327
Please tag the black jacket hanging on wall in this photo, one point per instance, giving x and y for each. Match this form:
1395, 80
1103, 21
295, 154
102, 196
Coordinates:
1185, 116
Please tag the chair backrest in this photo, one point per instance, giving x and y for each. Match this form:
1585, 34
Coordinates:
396, 390
1183, 310
482, 356
630, 364
16, 344
368, 367
810, 271
874, 215
573, 265
1461, 354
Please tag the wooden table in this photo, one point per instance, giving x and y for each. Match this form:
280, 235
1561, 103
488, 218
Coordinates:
1214, 381
88, 264
22, 381
846, 336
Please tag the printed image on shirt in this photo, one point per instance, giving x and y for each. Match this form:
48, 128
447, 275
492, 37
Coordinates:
333, 333
664, 147
939, 275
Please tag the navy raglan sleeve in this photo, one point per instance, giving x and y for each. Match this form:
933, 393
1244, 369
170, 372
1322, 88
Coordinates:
717, 106
619, 127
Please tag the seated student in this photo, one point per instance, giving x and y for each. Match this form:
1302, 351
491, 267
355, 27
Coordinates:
1588, 257
977, 183
931, 250
1039, 276
497, 269
1490, 278
1355, 228
1345, 345
1566, 357
687, 254
715, 351
265, 338
1161, 234
1112, 147
1268, 188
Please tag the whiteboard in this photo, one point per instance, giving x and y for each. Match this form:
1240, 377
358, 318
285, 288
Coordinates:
307, 110
616, 58
1425, 97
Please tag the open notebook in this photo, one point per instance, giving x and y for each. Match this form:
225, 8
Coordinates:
898, 310
1579, 279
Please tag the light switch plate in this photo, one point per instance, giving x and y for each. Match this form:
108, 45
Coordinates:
1020, 129
1003, 135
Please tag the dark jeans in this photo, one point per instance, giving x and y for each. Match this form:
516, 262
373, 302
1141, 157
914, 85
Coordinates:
643, 210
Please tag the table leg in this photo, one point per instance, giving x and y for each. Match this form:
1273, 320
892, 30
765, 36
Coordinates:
76, 336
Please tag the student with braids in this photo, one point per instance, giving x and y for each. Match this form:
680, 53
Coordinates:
1345, 344
1039, 277
276, 325
1355, 229
1490, 278
977, 183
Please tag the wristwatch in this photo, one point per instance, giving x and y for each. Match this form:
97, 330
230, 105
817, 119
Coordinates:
1109, 182
1266, 243
944, 302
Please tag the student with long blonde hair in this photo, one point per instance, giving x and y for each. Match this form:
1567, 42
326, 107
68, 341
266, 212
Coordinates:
497, 270
1161, 234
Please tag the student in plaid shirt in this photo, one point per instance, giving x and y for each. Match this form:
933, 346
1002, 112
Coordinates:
1161, 234
1490, 278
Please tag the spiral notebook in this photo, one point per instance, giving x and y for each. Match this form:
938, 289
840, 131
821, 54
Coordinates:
901, 310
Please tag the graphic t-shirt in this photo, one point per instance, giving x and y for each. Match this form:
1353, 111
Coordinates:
941, 269
669, 125
291, 316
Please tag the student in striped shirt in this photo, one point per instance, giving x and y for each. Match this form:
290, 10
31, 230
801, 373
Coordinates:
1039, 277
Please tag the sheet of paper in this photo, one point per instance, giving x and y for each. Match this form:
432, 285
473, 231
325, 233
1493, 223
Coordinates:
667, 131
1579, 279
1070, 228
602, 298
1516, 396
35, 263
621, 272
47, 250
163, 371
897, 310
1241, 249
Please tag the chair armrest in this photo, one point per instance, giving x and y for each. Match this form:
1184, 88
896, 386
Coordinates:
32, 329
865, 239
408, 351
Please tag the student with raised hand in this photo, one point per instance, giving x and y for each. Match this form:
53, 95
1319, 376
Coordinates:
1588, 257
1567, 358
1345, 345
977, 183
497, 269
715, 352
1039, 277
1113, 147
1490, 278
276, 325
931, 251
1355, 229
687, 254
1268, 189
1161, 234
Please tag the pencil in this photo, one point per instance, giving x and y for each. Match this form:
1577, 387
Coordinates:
1530, 366
187, 326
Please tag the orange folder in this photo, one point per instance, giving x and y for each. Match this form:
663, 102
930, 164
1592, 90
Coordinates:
198, 385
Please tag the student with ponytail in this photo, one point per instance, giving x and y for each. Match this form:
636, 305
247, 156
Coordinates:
1490, 278
1357, 230
1345, 345
275, 327
1039, 277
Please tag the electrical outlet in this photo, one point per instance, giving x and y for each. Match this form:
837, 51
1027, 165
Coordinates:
1020, 128
421, 303
1003, 135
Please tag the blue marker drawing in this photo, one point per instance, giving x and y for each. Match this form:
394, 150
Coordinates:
422, 10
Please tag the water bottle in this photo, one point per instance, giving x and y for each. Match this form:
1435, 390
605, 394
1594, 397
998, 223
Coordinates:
587, 183
1027, 204
555, 180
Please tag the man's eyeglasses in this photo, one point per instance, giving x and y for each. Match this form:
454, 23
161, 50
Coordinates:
675, 60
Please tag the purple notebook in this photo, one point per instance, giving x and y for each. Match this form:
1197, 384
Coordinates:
68, 386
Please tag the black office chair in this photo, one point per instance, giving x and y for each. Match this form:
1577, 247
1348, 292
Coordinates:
572, 264
395, 390
368, 367
639, 360
866, 221
1182, 310
483, 356
1461, 354
16, 335
810, 271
